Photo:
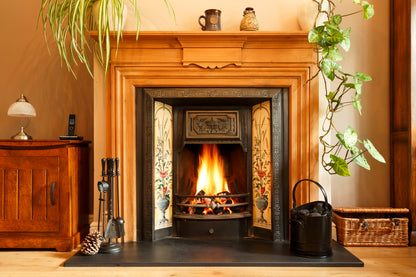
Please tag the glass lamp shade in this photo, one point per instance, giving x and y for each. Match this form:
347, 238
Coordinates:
21, 108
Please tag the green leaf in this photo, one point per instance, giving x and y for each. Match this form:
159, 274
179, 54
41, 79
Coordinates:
315, 35
346, 44
331, 95
336, 19
356, 102
332, 53
328, 66
373, 151
332, 27
358, 157
347, 32
349, 85
368, 10
340, 166
358, 87
341, 139
356, 1
335, 38
350, 137
363, 77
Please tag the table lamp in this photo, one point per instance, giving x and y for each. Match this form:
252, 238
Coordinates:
22, 108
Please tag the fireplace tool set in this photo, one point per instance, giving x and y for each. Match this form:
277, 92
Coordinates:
112, 227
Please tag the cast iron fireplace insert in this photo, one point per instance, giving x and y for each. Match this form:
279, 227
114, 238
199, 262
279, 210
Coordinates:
222, 119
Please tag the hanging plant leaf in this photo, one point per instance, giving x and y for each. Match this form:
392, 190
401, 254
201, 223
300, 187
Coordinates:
356, 103
359, 158
336, 19
315, 35
363, 76
350, 137
328, 66
346, 42
340, 166
368, 10
373, 151
341, 139
332, 53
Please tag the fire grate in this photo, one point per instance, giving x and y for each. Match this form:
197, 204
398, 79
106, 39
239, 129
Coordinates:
224, 205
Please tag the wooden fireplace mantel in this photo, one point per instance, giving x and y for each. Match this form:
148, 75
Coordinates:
211, 59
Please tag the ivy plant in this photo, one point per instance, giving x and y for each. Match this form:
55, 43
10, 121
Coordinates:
342, 89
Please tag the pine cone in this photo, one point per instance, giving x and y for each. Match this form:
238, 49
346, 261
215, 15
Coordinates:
91, 244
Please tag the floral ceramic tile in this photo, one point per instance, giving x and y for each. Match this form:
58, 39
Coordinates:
261, 165
163, 138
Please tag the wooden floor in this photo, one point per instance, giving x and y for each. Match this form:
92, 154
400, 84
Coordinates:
379, 261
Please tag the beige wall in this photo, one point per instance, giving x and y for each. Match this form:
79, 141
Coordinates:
28, 68
369, 53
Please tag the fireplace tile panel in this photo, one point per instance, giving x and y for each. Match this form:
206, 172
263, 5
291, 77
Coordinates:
163, 141
261, 165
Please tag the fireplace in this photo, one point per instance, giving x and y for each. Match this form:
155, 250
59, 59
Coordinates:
232, 72
219, 164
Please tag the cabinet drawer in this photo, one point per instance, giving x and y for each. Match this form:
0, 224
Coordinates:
29, 194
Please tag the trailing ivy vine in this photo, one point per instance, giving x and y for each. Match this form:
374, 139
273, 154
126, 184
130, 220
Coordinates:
338, 84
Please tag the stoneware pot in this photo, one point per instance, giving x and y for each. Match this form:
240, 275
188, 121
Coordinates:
249, 21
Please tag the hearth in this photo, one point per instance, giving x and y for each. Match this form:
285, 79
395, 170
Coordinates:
215, 163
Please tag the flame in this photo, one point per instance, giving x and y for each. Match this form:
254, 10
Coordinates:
210, 172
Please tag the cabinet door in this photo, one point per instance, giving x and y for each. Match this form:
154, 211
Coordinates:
29, 194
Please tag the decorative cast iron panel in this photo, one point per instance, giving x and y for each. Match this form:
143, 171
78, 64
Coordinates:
212, 124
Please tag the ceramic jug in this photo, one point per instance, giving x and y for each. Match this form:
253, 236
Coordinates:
249, 21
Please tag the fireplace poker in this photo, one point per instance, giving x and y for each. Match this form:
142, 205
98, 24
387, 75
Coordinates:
102, 188
113, 228
119, 219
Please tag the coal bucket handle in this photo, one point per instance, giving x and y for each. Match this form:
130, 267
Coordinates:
316, 183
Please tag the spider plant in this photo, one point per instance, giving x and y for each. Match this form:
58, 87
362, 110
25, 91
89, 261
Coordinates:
70, 22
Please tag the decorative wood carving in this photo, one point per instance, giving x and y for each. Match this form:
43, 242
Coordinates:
212, 52
212, 124
165, 59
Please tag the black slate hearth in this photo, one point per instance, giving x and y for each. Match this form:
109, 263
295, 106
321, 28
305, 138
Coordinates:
186, 252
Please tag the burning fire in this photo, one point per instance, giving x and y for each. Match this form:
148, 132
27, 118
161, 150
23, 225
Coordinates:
211, 182
211, 171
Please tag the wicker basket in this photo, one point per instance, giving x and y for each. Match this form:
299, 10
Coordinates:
371, 226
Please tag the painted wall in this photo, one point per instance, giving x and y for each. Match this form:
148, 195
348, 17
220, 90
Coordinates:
369, 53
28, 68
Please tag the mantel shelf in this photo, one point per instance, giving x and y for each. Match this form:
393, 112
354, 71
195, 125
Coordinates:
212, 49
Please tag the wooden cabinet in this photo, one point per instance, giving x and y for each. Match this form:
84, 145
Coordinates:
43, 193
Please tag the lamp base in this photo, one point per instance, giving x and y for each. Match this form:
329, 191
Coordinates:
21, 135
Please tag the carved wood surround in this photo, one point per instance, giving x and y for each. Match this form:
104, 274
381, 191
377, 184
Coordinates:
211, 59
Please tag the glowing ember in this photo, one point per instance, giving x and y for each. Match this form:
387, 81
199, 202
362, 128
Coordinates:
210, 172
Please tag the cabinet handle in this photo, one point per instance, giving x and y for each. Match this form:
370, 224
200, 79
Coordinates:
51, 193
